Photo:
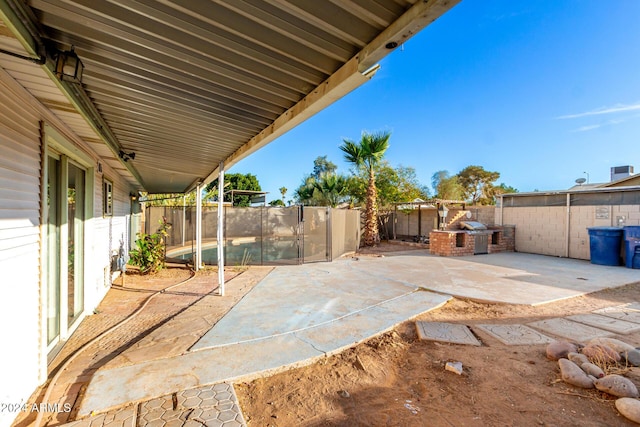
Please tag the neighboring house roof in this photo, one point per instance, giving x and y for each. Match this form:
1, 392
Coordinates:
623, 182
585, 187
186, 85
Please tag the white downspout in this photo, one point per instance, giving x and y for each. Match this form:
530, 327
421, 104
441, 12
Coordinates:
220, 236
198, 255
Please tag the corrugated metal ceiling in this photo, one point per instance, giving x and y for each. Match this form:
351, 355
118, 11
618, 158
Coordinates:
185, 84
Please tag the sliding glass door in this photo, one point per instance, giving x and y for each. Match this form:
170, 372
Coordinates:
66, 195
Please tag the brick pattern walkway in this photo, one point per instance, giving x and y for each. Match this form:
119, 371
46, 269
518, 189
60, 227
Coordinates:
212, 406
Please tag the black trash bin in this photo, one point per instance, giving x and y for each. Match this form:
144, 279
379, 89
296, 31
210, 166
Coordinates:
632, 246
604, 243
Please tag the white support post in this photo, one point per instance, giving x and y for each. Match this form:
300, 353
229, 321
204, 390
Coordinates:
184, 217
220, 236
198, 255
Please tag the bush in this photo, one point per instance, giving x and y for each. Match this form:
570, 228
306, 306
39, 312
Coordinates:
150, 253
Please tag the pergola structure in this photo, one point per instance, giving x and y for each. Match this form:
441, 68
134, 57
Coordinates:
439, 204
172, 92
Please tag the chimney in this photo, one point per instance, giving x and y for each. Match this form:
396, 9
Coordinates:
619, 172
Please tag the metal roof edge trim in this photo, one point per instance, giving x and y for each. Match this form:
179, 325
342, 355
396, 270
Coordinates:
555, 193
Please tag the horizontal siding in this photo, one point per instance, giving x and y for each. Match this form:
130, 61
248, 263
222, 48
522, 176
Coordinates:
19, 247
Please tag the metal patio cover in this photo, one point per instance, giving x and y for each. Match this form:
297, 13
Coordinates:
187, 84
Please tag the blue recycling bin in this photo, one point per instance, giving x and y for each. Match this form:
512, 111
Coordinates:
604, 243
632, 246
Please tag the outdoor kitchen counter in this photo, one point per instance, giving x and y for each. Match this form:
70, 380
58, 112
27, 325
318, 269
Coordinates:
471, 242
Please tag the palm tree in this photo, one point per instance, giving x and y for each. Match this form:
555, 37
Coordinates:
283, 191
367, 154
331, 188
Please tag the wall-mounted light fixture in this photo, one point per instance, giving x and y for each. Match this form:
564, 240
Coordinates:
127, 156
69, 67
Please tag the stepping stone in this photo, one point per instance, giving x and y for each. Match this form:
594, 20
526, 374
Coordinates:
515, 334
633, 306
446, 332
626, 312
607, 323
568, 329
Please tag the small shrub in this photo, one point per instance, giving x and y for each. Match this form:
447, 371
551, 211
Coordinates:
149, 254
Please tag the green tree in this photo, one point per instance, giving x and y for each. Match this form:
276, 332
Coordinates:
311, 191
394, 185
304, 193
446, 187
366, 154
330, 189
477, 184
322, 166
276, 202
237, 181
283, 191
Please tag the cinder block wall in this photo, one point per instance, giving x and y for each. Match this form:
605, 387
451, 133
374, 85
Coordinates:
539, 230
543, 230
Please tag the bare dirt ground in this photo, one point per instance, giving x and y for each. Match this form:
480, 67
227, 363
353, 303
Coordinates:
397, 380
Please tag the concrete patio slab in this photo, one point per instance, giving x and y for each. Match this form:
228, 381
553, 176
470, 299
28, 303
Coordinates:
607, 323
515, 334
292, 298
621, 312
446, 332
252, 358
513, 278
573, 331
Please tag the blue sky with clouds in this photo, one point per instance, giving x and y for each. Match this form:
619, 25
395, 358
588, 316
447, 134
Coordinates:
540, 91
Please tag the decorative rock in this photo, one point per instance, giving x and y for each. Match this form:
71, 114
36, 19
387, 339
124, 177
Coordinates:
631, 356
591, 369
617, 385
572, 374
614, 344
560, 349
601, 353
578, 358
455, 367
630, 408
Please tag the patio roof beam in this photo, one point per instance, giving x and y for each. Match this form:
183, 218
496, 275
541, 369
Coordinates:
20, 20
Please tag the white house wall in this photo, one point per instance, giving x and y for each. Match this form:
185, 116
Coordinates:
22, 315
19, 250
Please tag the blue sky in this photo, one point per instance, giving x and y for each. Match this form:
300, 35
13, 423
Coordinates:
540, 91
